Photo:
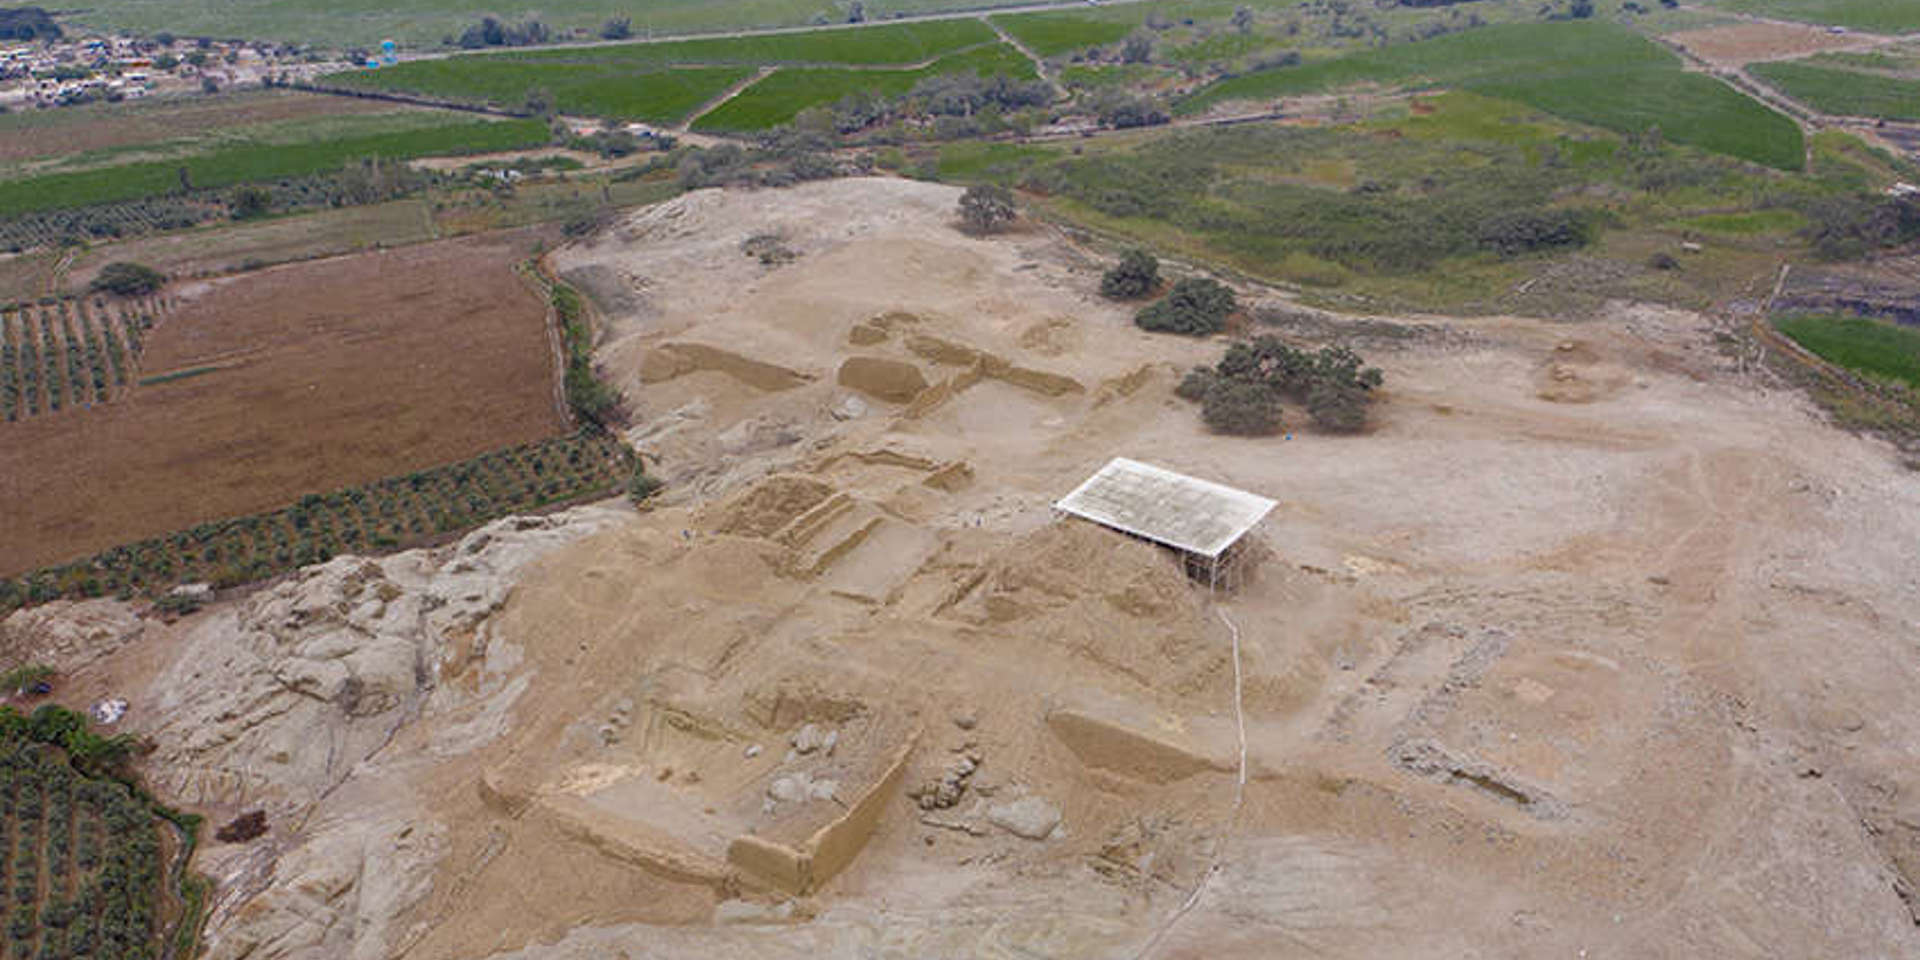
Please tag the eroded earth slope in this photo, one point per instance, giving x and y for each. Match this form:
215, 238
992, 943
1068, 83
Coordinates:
1595, 644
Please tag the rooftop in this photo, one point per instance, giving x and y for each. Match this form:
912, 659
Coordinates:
1170, 508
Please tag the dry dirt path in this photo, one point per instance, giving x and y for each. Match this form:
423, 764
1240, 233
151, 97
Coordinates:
739, 87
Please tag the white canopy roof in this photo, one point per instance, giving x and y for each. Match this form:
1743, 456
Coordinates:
1166, 507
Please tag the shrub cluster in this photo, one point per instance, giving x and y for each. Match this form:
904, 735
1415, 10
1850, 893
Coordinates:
1135, 276
987, 207
781, 157
1850, 226
128, 279
492, 32
591, 400
1196, 306
952, 96
1500, 204
1242, 394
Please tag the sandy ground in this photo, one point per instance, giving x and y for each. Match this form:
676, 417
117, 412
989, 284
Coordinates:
1589, 645
1731, 46
1593, 645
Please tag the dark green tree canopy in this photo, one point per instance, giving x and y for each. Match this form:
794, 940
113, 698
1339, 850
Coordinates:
1136, 275
128, 279
1336, 386
1196, 306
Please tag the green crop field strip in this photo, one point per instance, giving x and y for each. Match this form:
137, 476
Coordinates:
895, 43
662, 82
1880, 16
1872, 347
1687, 108
26, 135
1846, 92
777, 98
251, 162
1052, 34
1592, 72
602, 89
427, 23
396, 119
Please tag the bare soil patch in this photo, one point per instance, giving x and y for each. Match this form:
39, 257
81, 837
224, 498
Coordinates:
329, 374
1591, 611
1748, 42
225, 248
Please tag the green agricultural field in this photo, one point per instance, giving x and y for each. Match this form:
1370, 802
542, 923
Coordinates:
1873, 347
1593, 72
784, 93
1844, 92
896, 43
28, 136
1874, 60
660, 96
251, 162
427, 23
294, 132
663, 82
1879, 16
1052, 34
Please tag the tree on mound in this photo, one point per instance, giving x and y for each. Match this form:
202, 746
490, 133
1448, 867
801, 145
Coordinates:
1196, 306
1136, 276
128, 279
986, 207
1333, 383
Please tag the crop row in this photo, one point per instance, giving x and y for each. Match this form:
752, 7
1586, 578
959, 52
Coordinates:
70, 353
357, 181
1857, 93
104, 221
79, 860
387, 514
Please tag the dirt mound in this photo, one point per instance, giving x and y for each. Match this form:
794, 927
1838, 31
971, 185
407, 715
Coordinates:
1120, 603
771, 505
894, 381
670, 360
1577, 373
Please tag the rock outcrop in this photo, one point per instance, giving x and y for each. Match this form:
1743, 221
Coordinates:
283, 703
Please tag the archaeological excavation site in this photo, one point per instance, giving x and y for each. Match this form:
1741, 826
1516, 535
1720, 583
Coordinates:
953, 630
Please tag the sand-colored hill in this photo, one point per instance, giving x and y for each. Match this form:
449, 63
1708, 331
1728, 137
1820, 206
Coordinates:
1594, 642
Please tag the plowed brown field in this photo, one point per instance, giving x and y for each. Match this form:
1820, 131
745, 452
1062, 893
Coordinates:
324, 375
